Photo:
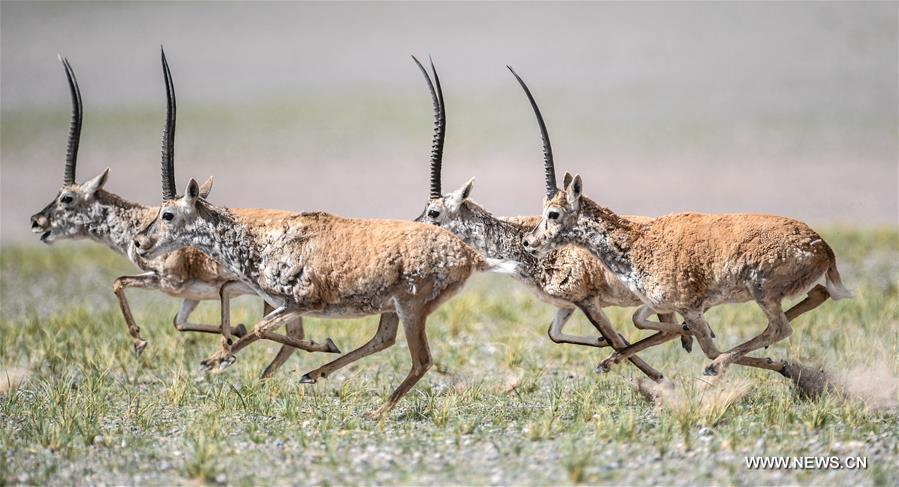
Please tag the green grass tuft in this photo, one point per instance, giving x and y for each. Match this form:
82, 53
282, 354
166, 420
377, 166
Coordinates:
502, 405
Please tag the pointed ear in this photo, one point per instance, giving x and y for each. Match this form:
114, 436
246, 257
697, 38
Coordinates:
205, 188
566, 180
466, 189
455, 199
91, 187
192, 192
573, 189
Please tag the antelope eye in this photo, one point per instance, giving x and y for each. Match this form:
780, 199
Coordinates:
66, 199
433, 213
168, 216
553, 215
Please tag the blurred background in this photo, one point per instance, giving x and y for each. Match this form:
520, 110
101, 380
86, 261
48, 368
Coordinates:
787, 108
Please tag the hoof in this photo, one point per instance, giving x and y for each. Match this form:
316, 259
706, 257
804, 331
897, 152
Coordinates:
785, 371
602, 368
712, 332
226, 362
686, 342
139, 346
239, 331
307, 379
205, 366
374, 415
711, 370
332, 348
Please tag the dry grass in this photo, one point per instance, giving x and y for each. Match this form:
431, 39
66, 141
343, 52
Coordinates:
502, 405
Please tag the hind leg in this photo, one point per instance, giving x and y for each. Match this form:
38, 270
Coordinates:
557, 336
641, 320
816, 296
417, 339
384, 338
182, 323
778, 328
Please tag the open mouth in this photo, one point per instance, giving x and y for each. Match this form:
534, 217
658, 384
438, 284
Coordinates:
45, 236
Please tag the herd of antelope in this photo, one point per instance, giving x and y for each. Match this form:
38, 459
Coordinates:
576, 255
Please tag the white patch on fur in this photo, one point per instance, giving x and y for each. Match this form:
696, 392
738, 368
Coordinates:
837, 292
501, 266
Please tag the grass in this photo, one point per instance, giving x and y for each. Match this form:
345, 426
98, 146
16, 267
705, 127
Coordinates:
502, 405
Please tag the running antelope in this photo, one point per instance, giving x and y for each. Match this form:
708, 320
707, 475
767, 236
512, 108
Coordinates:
320, 265
568, 278
689, 262
85, 210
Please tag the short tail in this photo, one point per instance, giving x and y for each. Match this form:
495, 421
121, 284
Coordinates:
501, 266
834, 284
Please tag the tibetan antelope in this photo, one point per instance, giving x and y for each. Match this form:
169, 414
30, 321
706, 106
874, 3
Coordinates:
320, 265
568, 278
85, 210
689, 262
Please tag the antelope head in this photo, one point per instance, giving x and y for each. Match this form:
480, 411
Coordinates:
441, 208
70, 213
171, 227
560, 208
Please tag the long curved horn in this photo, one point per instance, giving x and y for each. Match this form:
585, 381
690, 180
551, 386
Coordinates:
168, 134
439, 127
548, 165
74, 125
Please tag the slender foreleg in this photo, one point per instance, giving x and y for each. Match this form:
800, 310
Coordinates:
295, 330
602, 324
262, 329
182, 324
148, 280
650, 341
225, 299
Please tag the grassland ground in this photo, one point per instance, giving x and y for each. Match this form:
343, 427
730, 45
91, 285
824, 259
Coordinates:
503, 404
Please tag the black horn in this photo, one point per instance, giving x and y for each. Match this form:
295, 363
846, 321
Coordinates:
548, 164
439, 127
74, 126
168, 134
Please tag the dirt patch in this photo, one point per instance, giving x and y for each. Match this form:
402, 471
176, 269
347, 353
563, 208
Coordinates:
810, 381
876, 384
707, 399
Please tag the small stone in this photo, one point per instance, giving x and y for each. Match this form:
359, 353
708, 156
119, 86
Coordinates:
705, 431
221, 478
99, 440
